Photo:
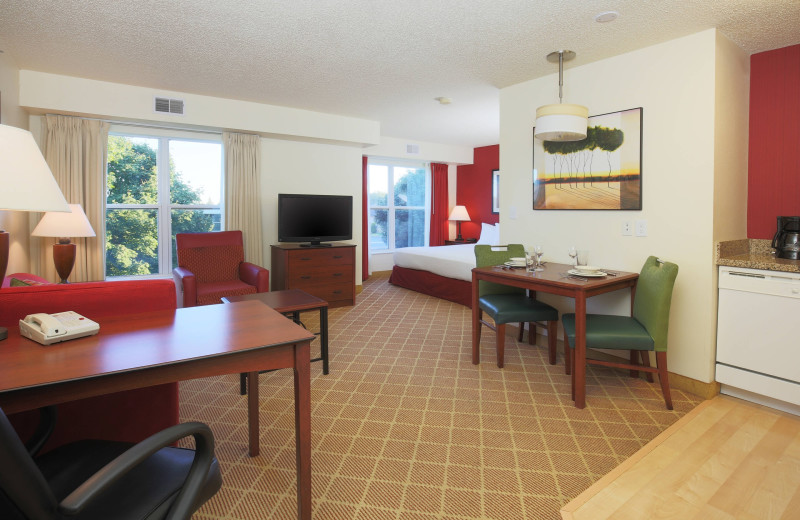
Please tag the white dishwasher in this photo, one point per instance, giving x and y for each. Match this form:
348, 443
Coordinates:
758, 334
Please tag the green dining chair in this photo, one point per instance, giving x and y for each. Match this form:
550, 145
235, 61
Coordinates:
641, 333
505, 304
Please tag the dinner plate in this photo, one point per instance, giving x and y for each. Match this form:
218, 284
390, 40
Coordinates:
514, 264
595, 274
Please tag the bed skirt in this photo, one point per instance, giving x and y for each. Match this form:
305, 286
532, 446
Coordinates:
425, 282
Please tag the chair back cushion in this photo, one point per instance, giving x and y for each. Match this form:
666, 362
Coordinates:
653, 298
213, 263
211, 257
486, 255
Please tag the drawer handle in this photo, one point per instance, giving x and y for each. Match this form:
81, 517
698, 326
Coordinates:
338, 274
338, 256
306, 277
337, 292
305, 259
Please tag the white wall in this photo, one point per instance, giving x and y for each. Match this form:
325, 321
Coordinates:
675, 83
42, 92
428, 152
297, 167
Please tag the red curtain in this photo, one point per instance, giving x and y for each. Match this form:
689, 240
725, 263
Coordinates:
364, 221
439, 205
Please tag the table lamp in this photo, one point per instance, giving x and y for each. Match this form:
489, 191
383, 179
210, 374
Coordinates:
63, 226
27, 184
459, 214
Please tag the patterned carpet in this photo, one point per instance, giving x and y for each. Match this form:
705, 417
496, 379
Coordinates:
406, 428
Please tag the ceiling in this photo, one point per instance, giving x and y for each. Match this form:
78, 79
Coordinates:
374, 59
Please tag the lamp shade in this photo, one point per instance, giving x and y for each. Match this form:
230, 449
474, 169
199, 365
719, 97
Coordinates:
72, 224
459, 213
561, 122
26, 183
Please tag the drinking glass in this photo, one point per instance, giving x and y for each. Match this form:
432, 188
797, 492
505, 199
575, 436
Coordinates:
573, 253
539, 253
528, 261
583, 257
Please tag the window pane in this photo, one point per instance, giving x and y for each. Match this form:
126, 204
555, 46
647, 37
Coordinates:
378, 229
378, 185
131, 242
195, 172
193, 221
409, 228
409, 186
132, 173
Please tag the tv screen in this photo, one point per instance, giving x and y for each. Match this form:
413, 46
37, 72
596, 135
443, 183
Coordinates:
314, 218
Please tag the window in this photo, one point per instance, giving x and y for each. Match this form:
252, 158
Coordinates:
399, 205
157, 186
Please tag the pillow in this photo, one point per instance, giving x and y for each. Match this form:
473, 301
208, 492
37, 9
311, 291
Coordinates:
490, 235
23, 282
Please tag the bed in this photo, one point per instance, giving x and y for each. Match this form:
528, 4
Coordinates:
444, 271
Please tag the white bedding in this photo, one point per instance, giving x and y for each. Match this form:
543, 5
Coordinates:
449, 261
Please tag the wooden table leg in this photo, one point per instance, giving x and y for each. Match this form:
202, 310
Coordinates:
580, 351
323, 338
476, 354
302, 425
252, 413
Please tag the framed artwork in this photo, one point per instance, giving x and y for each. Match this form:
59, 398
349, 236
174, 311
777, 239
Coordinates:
495, 191
603, 171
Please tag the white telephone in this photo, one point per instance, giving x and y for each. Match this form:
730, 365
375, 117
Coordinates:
53, 328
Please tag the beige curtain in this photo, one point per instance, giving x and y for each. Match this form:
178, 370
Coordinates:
243, 191
75, 150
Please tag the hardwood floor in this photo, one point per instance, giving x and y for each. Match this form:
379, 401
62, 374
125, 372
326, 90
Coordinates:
725, 459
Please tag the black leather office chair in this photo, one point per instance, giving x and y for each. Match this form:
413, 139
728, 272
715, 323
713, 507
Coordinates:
103, 480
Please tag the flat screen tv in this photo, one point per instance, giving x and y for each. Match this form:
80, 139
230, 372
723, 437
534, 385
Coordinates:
314, 218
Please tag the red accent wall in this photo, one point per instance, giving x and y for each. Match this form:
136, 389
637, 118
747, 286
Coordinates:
474, 189
773, 186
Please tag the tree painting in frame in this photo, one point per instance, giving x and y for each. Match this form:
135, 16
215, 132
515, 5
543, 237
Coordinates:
603, 171
495, 191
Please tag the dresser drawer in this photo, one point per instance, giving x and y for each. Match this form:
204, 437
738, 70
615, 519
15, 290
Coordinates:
314, 257
303, 276
335, 294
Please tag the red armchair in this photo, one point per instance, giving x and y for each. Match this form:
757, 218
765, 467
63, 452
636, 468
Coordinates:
211, 265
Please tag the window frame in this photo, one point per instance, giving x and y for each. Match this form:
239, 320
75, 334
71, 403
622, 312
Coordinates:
391, 208
163, 206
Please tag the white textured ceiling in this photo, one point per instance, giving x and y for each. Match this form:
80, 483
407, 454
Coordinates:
375, 59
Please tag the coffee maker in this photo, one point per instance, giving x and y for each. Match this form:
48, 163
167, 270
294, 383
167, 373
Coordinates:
787, 238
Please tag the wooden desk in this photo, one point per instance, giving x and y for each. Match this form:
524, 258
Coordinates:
552, 281
162, 347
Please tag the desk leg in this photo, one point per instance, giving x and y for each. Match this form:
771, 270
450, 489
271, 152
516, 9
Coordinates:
476, 353
580, 351
302, 426
252, 413
323, 338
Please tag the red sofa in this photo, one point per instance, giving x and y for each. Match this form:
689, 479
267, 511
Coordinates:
127, 416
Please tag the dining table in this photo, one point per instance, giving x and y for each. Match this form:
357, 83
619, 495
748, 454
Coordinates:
554, 279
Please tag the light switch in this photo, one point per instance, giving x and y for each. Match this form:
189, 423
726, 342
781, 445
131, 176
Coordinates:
641, 228
512, 212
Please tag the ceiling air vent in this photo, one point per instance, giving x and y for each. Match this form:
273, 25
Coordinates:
412, 149
168, 106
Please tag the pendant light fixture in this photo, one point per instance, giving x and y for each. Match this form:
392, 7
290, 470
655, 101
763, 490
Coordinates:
561, 122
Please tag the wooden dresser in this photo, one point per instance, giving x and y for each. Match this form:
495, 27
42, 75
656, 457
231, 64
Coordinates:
325, 272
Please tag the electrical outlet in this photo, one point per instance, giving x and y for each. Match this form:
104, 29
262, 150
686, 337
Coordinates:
641, 228
627, 228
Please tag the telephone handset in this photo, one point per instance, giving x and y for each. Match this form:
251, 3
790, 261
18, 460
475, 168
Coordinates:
54, 328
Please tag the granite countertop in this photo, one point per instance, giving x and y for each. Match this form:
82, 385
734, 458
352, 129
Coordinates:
753, 254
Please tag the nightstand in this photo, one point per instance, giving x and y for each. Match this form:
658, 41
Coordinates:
465, 241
